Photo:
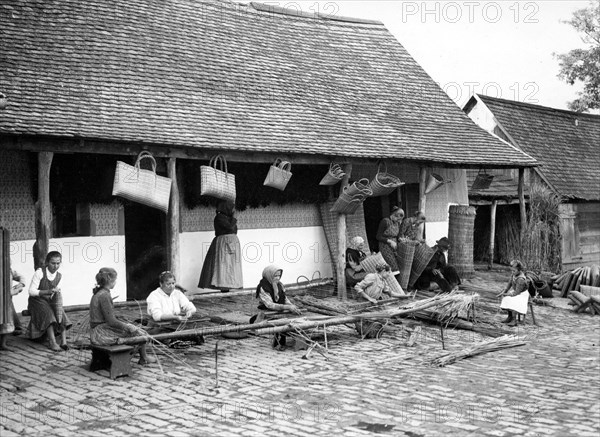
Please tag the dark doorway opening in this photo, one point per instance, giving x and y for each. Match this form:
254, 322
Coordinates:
145, 249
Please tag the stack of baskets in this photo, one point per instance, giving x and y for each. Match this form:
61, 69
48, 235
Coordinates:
352, 196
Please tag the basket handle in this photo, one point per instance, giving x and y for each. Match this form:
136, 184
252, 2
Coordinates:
381, 161
314, 273
218, 161
285, 165
145, 155
302, 276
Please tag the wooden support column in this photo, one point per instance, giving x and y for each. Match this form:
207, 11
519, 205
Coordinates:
173, 219
341, 246
43, 210
422, 197
522, 201
492, 232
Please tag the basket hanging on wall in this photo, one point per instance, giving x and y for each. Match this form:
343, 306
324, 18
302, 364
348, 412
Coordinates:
482, 181
435, 181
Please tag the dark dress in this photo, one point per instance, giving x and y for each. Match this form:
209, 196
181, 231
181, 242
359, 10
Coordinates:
450, 275
46, 311
222, 268
279, 339
388, 230
105, 329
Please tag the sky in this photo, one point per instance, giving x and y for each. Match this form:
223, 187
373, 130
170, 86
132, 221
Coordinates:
499, 48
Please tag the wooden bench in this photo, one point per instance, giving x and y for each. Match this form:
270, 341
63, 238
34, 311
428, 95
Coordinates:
116, 359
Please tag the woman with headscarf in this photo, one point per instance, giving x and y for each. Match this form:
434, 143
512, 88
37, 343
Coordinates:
271, 294
354, 255
222, 267
387, 236
411, 227
517, 293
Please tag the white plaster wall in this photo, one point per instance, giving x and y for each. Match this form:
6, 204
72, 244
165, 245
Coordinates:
82, 258
435, 231
298, 251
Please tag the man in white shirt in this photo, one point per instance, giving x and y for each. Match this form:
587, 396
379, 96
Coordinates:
167, 303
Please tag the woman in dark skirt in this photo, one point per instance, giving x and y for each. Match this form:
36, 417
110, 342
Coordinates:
222, 267
45, 304
105, 328
387, 236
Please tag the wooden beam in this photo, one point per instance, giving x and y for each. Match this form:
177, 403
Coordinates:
521, 193
43, 210
341, 233
492, 232
173, 219
422, 196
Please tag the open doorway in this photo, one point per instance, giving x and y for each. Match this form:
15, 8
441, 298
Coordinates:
145, 249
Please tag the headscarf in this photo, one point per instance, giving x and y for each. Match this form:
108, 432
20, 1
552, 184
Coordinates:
267, 283
226, 207
356, 242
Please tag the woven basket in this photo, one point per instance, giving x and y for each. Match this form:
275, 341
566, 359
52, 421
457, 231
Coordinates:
333, 176
394, 285
371, 261
482, 181
384, 183
346, 204
460, 233
422, 256
359, 188
406, 253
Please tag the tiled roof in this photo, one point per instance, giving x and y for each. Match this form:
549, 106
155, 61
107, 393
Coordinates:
565, 143
502, 186
222, 75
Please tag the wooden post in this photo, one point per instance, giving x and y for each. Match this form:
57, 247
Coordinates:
173, 219
341, 234
522, 201
43, 210
492, 232
422, 196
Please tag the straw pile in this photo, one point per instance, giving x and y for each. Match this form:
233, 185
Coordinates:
504, 342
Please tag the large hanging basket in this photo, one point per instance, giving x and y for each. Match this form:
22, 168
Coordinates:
460, 233
384, 183
482, 181
140, 185
359, 188
333, 176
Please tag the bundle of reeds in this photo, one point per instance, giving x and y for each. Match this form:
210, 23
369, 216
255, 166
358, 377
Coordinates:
504, 342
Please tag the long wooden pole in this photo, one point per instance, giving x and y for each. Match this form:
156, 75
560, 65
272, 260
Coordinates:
173, 219
341, 242
521, 193
422, 197
43, 210
492, 233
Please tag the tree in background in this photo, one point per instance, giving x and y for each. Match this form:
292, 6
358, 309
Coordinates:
584, 64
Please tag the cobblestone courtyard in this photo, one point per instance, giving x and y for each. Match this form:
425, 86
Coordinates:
550, 386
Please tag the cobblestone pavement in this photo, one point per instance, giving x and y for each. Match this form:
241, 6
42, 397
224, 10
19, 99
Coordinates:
550, 386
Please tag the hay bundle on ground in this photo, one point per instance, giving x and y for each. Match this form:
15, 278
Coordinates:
504, 342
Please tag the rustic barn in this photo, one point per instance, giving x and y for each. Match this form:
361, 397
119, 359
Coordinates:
565, 143
90, 83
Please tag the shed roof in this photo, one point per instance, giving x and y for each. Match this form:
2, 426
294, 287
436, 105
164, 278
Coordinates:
220, 75
565, 143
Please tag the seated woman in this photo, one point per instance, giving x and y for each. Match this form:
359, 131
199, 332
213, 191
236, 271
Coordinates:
168, 303
438, 270
517, 294
354, 255
45, 304
271, 294
373, 287
105, 328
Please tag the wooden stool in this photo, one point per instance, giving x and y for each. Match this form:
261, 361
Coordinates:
116, 359
530, 304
